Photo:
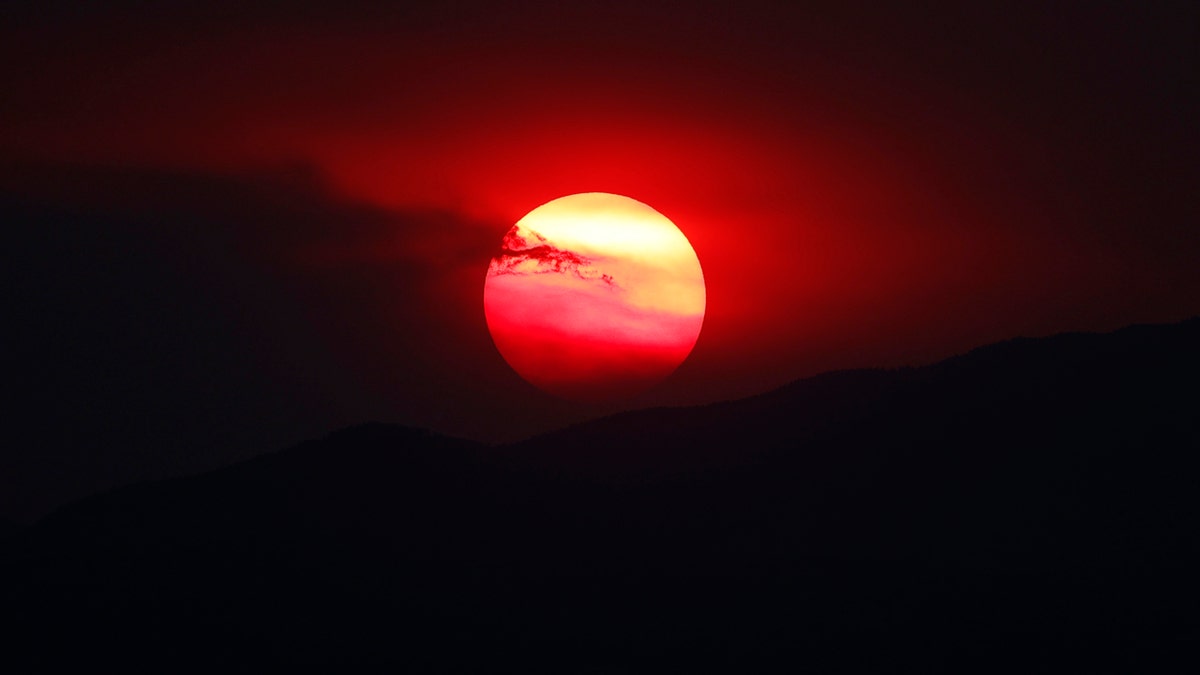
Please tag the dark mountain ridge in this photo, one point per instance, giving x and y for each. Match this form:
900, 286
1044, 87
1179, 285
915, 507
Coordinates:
1026, 505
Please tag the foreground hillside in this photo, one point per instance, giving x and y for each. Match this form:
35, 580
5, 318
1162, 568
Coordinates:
1029, 506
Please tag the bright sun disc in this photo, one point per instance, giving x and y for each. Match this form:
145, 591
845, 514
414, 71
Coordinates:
594, 296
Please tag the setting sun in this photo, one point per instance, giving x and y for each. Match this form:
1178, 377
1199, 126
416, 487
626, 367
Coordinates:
594, 296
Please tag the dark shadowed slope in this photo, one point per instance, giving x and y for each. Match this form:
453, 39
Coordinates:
1025, 507
7, 528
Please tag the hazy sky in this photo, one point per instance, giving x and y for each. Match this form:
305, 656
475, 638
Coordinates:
231, 226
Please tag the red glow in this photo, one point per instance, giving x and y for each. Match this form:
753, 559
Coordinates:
847, 213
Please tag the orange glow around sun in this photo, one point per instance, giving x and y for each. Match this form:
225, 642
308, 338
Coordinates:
594, 296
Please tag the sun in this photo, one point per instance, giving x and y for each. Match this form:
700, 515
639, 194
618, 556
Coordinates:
594, 296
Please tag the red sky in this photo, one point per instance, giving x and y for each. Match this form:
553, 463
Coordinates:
863, 185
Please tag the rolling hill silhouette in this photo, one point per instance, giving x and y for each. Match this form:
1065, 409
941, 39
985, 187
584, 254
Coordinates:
1028, 506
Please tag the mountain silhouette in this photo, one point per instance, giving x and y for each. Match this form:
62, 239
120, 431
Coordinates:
1028, 506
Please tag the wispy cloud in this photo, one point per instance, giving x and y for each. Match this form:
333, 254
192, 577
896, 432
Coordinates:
532, 253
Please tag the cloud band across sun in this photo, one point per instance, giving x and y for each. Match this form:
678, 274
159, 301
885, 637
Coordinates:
520, 257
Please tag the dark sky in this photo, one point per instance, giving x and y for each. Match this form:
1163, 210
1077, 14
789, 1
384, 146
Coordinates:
232, 226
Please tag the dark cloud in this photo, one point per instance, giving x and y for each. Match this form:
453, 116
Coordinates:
162, 322
516, 251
